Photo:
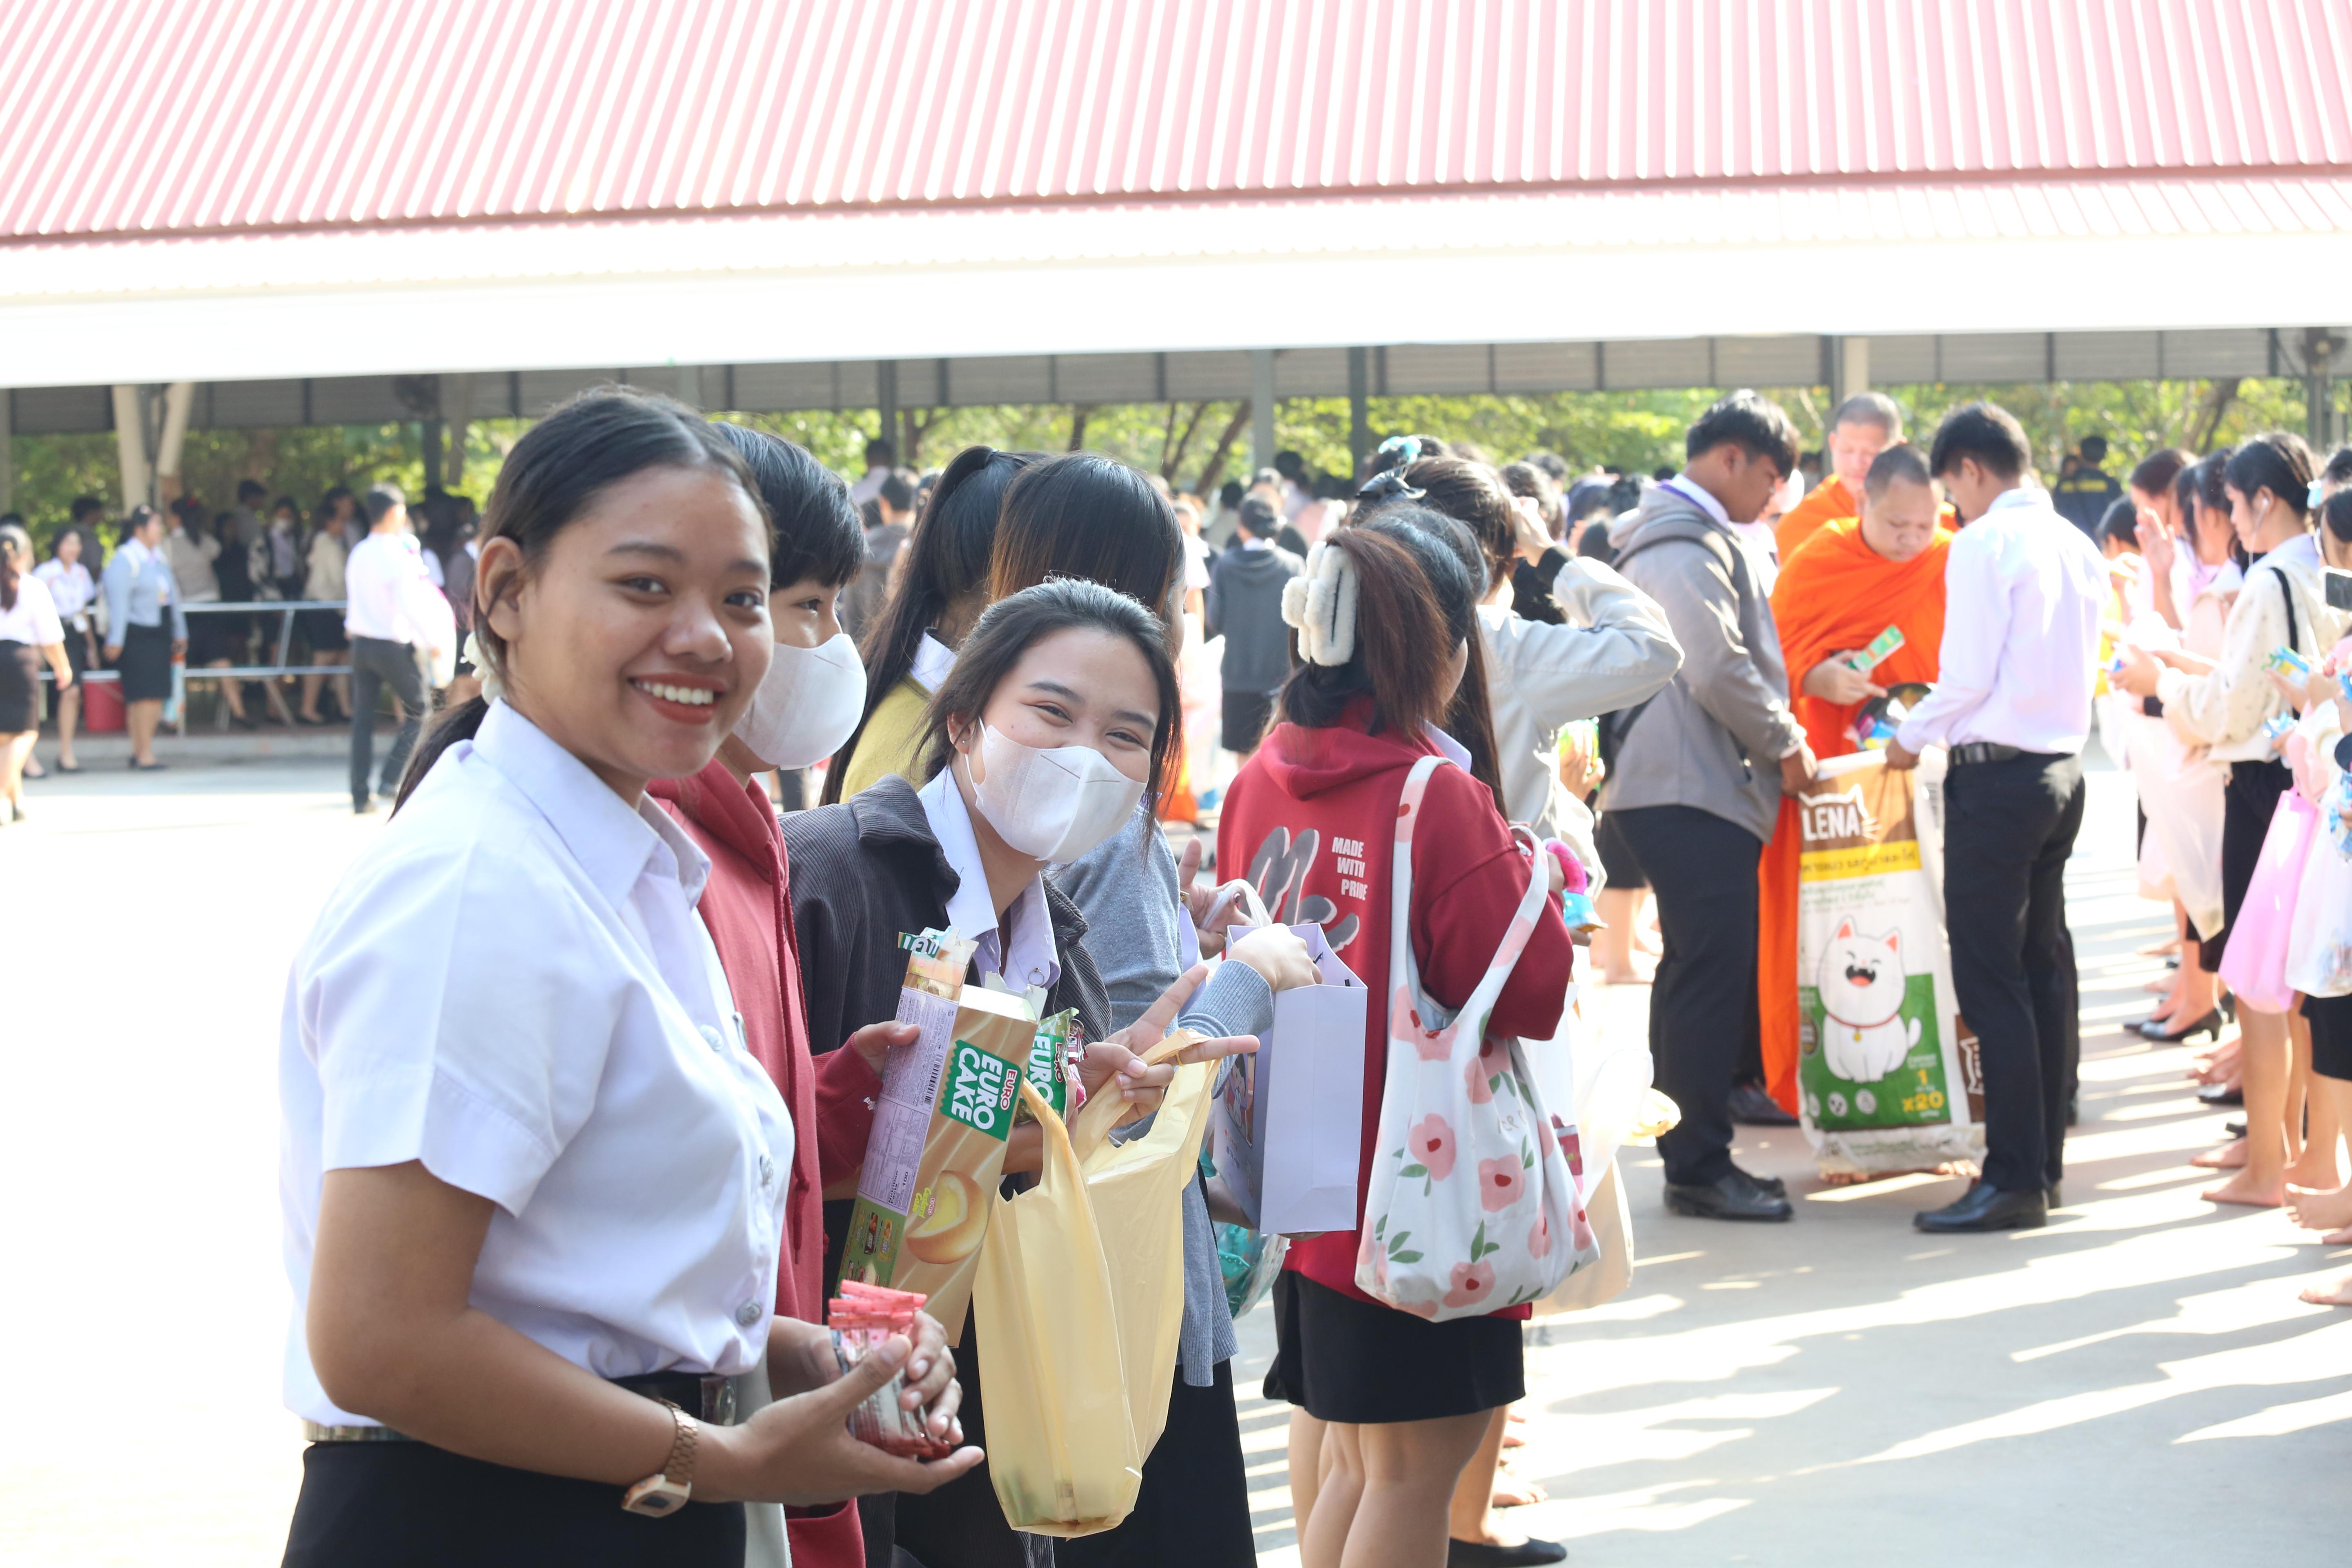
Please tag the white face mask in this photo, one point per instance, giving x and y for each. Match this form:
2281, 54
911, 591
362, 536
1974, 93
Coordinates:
807, 705
1052, 805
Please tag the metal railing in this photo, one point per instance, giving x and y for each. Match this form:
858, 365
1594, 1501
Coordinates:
286, 609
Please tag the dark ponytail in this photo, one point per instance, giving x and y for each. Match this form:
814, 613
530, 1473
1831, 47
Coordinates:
1399, 626
2276, 461
947, 561
553, 475
1451, 558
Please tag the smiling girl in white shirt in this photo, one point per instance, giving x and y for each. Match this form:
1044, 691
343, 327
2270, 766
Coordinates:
528, 1167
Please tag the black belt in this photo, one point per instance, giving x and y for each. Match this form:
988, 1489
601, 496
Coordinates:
710, 1397
1994, 751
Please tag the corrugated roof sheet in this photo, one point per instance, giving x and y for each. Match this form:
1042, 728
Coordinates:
176, 117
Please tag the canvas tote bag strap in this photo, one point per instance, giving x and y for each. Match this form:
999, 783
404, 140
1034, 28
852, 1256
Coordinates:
1402, 969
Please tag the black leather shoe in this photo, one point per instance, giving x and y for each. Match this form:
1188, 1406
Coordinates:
2219, 1094
1736, 1195
1986, 1208
1773, 1185
1751, 1107
2210, 1024
1527, 1553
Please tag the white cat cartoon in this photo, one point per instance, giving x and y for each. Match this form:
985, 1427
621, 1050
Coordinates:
1862, 985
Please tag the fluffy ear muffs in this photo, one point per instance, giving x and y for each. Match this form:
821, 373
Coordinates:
1320, 606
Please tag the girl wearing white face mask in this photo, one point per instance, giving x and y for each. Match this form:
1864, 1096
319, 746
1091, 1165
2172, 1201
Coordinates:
1058, 718
1088, 516
801, 711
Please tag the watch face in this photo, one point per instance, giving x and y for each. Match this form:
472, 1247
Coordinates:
656, 1496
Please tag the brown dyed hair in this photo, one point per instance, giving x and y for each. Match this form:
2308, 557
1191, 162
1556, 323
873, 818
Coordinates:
1400, 627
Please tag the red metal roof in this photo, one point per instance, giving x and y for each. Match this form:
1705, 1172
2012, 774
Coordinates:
161, 117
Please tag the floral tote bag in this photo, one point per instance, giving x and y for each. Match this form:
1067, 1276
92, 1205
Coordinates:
1472, 1207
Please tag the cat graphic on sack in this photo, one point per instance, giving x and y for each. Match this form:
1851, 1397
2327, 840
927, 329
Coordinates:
1864, 1033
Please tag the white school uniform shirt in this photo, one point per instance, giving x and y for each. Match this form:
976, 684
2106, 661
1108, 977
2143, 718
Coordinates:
513, 986
933, 662
388, 595
1024, 953
71, 589
33, 619
2024, 591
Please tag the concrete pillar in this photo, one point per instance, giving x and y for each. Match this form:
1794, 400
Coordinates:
457, 409
7, 452
431, 442
1849, 368
1261, 408
886, 399
179, 399
131, 447
1359, 413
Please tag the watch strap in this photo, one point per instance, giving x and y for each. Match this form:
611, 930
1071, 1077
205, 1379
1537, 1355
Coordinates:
668, 1491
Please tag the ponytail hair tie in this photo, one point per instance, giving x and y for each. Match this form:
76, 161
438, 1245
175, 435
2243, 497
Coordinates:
1319, 604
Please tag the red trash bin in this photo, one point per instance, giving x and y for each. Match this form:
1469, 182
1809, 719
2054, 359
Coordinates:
101, 706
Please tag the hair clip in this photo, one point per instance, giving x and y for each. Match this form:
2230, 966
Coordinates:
1409, 447
2317, 495
1388, 484
1319, 604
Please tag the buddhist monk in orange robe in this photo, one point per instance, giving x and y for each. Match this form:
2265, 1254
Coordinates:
1844, 586
1863, 426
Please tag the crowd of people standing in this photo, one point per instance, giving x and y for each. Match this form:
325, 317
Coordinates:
577, 1250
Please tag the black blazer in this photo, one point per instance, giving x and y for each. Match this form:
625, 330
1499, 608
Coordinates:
865, 871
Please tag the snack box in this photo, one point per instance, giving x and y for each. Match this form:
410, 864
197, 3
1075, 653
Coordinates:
937, 1149
2286, 661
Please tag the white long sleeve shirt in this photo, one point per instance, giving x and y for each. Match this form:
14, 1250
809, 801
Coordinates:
2024, 594
388, 595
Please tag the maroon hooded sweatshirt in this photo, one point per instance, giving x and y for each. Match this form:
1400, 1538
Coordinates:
1311, 820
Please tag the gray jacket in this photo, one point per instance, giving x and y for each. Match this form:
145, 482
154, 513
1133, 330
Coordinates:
1244, 606
1714, 738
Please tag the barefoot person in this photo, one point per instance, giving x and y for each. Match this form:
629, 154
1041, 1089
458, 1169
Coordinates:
523, 1142
1851, 581
2224, 702
1860, 429
2023, 593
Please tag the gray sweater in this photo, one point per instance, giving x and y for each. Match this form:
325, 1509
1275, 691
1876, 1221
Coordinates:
1244, 608
1714, 738
1127, 887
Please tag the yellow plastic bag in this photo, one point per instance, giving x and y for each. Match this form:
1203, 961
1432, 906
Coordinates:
1080, 1303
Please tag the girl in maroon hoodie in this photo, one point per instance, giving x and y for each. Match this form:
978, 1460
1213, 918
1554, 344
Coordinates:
1380, 658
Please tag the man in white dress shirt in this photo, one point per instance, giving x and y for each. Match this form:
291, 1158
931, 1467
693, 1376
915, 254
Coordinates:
2023, 590
391, 612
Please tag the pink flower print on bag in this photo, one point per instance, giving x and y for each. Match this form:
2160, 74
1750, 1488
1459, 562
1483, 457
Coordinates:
1539, 1239
1433, 1146
1429, 1047
1473, 1283
1500, 1182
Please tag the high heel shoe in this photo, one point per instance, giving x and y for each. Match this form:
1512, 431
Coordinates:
2210, 1024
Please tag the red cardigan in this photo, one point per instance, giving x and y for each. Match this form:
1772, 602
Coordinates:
748, 908
1310, 797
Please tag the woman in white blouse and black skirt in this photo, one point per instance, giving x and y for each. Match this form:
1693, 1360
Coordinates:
529, 1170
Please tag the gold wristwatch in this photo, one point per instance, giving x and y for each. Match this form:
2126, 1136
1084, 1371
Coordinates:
659, 1496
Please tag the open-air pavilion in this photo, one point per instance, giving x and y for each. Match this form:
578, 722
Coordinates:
444, 210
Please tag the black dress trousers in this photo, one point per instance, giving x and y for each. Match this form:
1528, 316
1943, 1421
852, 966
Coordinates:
2010, 827
1703, 1007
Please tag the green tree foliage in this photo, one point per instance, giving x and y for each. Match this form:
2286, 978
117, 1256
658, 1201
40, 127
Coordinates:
1194, 445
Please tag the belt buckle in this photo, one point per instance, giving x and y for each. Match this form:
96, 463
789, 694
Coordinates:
717, 1400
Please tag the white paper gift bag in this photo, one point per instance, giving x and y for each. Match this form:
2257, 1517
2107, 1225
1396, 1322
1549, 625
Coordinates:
1287, 1130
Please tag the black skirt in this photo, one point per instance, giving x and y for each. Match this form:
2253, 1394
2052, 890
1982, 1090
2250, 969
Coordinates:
1617, 862
20, 687
145, 663
2248, 802
323, 631
1358, 1362
398, 1505
2331, 1034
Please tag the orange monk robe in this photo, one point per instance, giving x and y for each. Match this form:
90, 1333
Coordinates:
1827, 502
1834, 593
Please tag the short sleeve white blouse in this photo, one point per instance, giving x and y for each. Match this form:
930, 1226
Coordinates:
513, 986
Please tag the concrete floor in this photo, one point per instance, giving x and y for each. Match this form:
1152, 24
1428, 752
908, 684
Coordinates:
2135, 1382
